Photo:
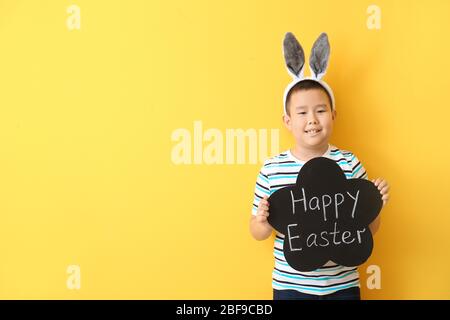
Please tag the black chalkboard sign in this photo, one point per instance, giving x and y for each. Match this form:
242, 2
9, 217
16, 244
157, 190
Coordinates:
325, 216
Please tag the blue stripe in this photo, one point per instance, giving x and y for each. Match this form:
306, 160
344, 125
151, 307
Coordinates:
313, 278
290, 176
280, 255
262, 190
283, 263
338, 287
266, 180
256, 201
276, 252
283, 165
317, 270
354, 173
276, 189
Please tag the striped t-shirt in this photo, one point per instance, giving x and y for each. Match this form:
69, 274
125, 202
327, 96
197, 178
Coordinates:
281, 171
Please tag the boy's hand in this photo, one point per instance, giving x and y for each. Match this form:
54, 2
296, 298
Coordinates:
383, 186
263, 210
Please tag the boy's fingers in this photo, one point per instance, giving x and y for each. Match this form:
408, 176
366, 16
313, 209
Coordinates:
263, 207
264, 213
261, 218
384, 190
383, 183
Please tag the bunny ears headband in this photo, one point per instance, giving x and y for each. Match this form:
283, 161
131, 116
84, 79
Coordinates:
295, 62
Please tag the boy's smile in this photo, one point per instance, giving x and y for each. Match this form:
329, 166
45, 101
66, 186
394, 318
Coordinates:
310, 121
313, 131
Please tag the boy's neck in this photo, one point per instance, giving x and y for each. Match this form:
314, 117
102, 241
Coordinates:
306, 154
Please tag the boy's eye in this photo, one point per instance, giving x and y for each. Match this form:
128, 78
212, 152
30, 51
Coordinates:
302, 113
321, 111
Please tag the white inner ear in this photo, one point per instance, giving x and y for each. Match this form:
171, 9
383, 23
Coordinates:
293, 75
301, 73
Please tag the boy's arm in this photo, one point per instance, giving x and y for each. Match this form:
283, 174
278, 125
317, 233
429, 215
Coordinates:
260, 230
383, 186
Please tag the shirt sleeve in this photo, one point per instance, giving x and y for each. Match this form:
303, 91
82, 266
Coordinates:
262, 188
358, 170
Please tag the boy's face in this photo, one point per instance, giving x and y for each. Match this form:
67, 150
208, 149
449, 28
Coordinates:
311, 119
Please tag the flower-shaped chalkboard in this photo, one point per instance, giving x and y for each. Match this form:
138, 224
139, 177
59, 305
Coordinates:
325, 216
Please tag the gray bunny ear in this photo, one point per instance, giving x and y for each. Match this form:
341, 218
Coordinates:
320, 53
293, 55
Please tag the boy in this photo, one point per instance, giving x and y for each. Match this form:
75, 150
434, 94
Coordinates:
309, 114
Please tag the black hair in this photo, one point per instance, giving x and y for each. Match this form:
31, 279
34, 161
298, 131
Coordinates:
306, 85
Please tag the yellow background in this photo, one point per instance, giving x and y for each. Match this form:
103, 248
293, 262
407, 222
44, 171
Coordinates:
86, 118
